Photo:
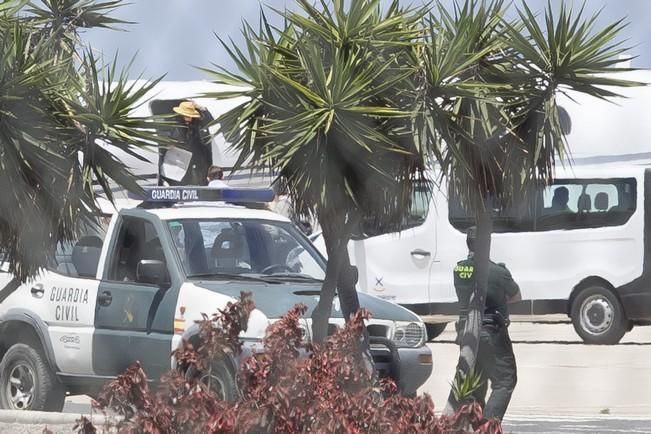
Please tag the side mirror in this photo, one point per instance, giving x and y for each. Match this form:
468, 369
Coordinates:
152, 271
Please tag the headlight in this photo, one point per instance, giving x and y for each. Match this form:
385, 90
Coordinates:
409, 334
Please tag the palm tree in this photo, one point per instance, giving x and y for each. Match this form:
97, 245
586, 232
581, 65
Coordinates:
489, 93
351, 105
58, 106
328, 108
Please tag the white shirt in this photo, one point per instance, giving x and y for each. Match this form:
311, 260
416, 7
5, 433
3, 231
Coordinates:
217, 183
282, 205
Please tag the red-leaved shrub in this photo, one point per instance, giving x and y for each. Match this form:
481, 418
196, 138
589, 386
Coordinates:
288, 387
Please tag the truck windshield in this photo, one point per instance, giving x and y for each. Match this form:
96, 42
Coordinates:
244, 247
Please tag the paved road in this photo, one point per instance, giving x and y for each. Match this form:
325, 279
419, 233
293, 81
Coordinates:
564, 386
573, 424
559, 375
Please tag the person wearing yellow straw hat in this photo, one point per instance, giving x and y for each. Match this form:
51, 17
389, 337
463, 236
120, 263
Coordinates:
192, 154
188, 111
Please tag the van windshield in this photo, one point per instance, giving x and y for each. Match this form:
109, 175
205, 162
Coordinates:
244, 247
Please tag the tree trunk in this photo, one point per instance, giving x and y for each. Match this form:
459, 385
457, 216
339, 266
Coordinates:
348, 276
336, 240
348, 297
469, 343
349, 301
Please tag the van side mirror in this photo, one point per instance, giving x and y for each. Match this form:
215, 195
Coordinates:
153, 271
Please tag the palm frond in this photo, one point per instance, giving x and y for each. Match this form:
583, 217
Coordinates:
74, 14
466, 384
57, 105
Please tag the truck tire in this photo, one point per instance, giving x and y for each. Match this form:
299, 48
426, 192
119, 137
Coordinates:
220, 380
598, 316
28, 383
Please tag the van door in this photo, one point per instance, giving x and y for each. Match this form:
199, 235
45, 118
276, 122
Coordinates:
134, 320
452, 242
396, 266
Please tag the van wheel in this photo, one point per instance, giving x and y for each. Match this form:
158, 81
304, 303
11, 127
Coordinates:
28, 383
434, 330
598, 316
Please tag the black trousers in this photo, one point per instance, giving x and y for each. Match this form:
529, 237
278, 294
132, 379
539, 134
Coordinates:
496, 363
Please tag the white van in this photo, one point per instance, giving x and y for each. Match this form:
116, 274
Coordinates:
589, 260
590, 264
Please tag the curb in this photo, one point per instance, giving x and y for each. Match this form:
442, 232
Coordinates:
50, 418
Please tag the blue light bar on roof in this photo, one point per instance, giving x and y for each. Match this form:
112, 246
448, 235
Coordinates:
208, 194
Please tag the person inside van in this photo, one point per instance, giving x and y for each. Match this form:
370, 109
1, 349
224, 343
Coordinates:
560, 200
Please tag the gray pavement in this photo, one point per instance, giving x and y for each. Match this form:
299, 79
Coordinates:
564, 386
558, 375
570, 424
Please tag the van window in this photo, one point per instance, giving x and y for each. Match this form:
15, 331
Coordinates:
517, 216
577, 204
415, 216
565, 205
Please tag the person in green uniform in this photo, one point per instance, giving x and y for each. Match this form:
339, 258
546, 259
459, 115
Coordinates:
495, 358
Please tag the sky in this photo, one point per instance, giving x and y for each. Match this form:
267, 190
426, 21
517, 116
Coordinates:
172, 36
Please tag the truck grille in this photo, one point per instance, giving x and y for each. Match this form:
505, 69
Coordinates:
378, 330
411, 335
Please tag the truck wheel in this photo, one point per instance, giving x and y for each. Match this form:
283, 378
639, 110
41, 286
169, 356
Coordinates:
220, 380
434, 330
598, 316
28, 383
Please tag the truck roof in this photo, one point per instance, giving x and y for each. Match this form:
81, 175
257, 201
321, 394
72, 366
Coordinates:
208, 211
195, 202
190, 210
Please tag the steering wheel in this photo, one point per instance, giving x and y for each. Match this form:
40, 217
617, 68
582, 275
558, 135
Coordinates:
279, 267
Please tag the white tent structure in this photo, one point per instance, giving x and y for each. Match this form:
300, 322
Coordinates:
193, 90
611, 131
601, 131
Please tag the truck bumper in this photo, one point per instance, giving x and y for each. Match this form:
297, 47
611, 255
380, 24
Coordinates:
416, 366
408, 367
637, 305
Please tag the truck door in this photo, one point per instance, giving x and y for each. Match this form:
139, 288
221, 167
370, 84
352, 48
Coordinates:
63, 297
70, 294
134, 320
